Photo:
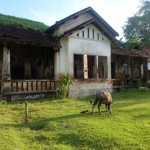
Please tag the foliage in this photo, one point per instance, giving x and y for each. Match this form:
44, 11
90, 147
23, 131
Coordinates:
64, 85
11, 20
57, 124
136, 82
138, 26
126, 45
148, 84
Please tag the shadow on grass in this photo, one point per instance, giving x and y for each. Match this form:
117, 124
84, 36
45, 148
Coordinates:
19, 126
42, 123
38, 100
86, 141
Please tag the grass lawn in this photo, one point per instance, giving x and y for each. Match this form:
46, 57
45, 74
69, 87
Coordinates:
57, 124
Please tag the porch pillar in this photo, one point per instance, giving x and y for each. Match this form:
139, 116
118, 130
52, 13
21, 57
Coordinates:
6, 76
56, 65
6, 64
96, 64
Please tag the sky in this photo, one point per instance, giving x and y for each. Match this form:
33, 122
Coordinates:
114, 12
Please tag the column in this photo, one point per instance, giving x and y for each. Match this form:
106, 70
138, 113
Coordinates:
56, 65
6, 76
96, 64
6, 64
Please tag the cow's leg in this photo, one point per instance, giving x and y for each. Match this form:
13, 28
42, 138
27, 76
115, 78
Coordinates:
99, 108
109, 108
93, 106
106, 107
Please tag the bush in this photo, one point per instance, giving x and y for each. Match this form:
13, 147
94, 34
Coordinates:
136, 82
64, 85
148, 84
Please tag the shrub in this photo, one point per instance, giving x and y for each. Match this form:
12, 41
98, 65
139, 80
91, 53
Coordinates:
64, 85
136, 82
148, 84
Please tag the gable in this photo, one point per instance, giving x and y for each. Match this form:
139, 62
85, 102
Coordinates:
78, 21
90, 32
72, 24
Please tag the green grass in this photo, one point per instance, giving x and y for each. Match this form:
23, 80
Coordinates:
57, 124
26, 23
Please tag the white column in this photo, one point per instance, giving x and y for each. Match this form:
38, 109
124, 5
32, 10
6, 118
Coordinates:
6, 85
96, 64
56, 65
6, 64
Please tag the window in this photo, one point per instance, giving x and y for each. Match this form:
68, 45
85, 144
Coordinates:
78, 66
86, 66
93, 33
98, 36
102, 67
82, 33
88, 33
91, 67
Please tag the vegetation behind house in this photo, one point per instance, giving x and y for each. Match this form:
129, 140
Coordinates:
137, 27
12, 20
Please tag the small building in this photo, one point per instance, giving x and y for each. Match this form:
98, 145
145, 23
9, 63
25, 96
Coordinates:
129, 64
86, 40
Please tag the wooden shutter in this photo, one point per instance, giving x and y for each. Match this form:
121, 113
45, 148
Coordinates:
85, 66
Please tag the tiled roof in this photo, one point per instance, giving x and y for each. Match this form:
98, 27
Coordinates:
134, 51
18, 34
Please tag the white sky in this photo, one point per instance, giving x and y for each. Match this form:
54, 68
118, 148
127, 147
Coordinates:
115, 12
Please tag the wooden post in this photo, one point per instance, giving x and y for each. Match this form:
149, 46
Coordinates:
85, 66
26, 112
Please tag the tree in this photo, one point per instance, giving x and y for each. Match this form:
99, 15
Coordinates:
138, 26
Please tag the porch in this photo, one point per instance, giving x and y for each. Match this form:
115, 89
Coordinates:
27, 62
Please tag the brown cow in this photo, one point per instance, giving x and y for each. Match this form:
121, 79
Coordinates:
103, 98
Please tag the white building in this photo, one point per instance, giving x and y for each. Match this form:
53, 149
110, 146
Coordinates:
85, 53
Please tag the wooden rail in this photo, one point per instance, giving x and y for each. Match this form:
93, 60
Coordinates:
29, 86
33, 85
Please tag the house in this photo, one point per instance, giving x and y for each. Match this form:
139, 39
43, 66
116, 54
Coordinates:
86, 40
83, 44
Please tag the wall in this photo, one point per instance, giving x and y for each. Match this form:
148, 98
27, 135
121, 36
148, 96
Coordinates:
88, 87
